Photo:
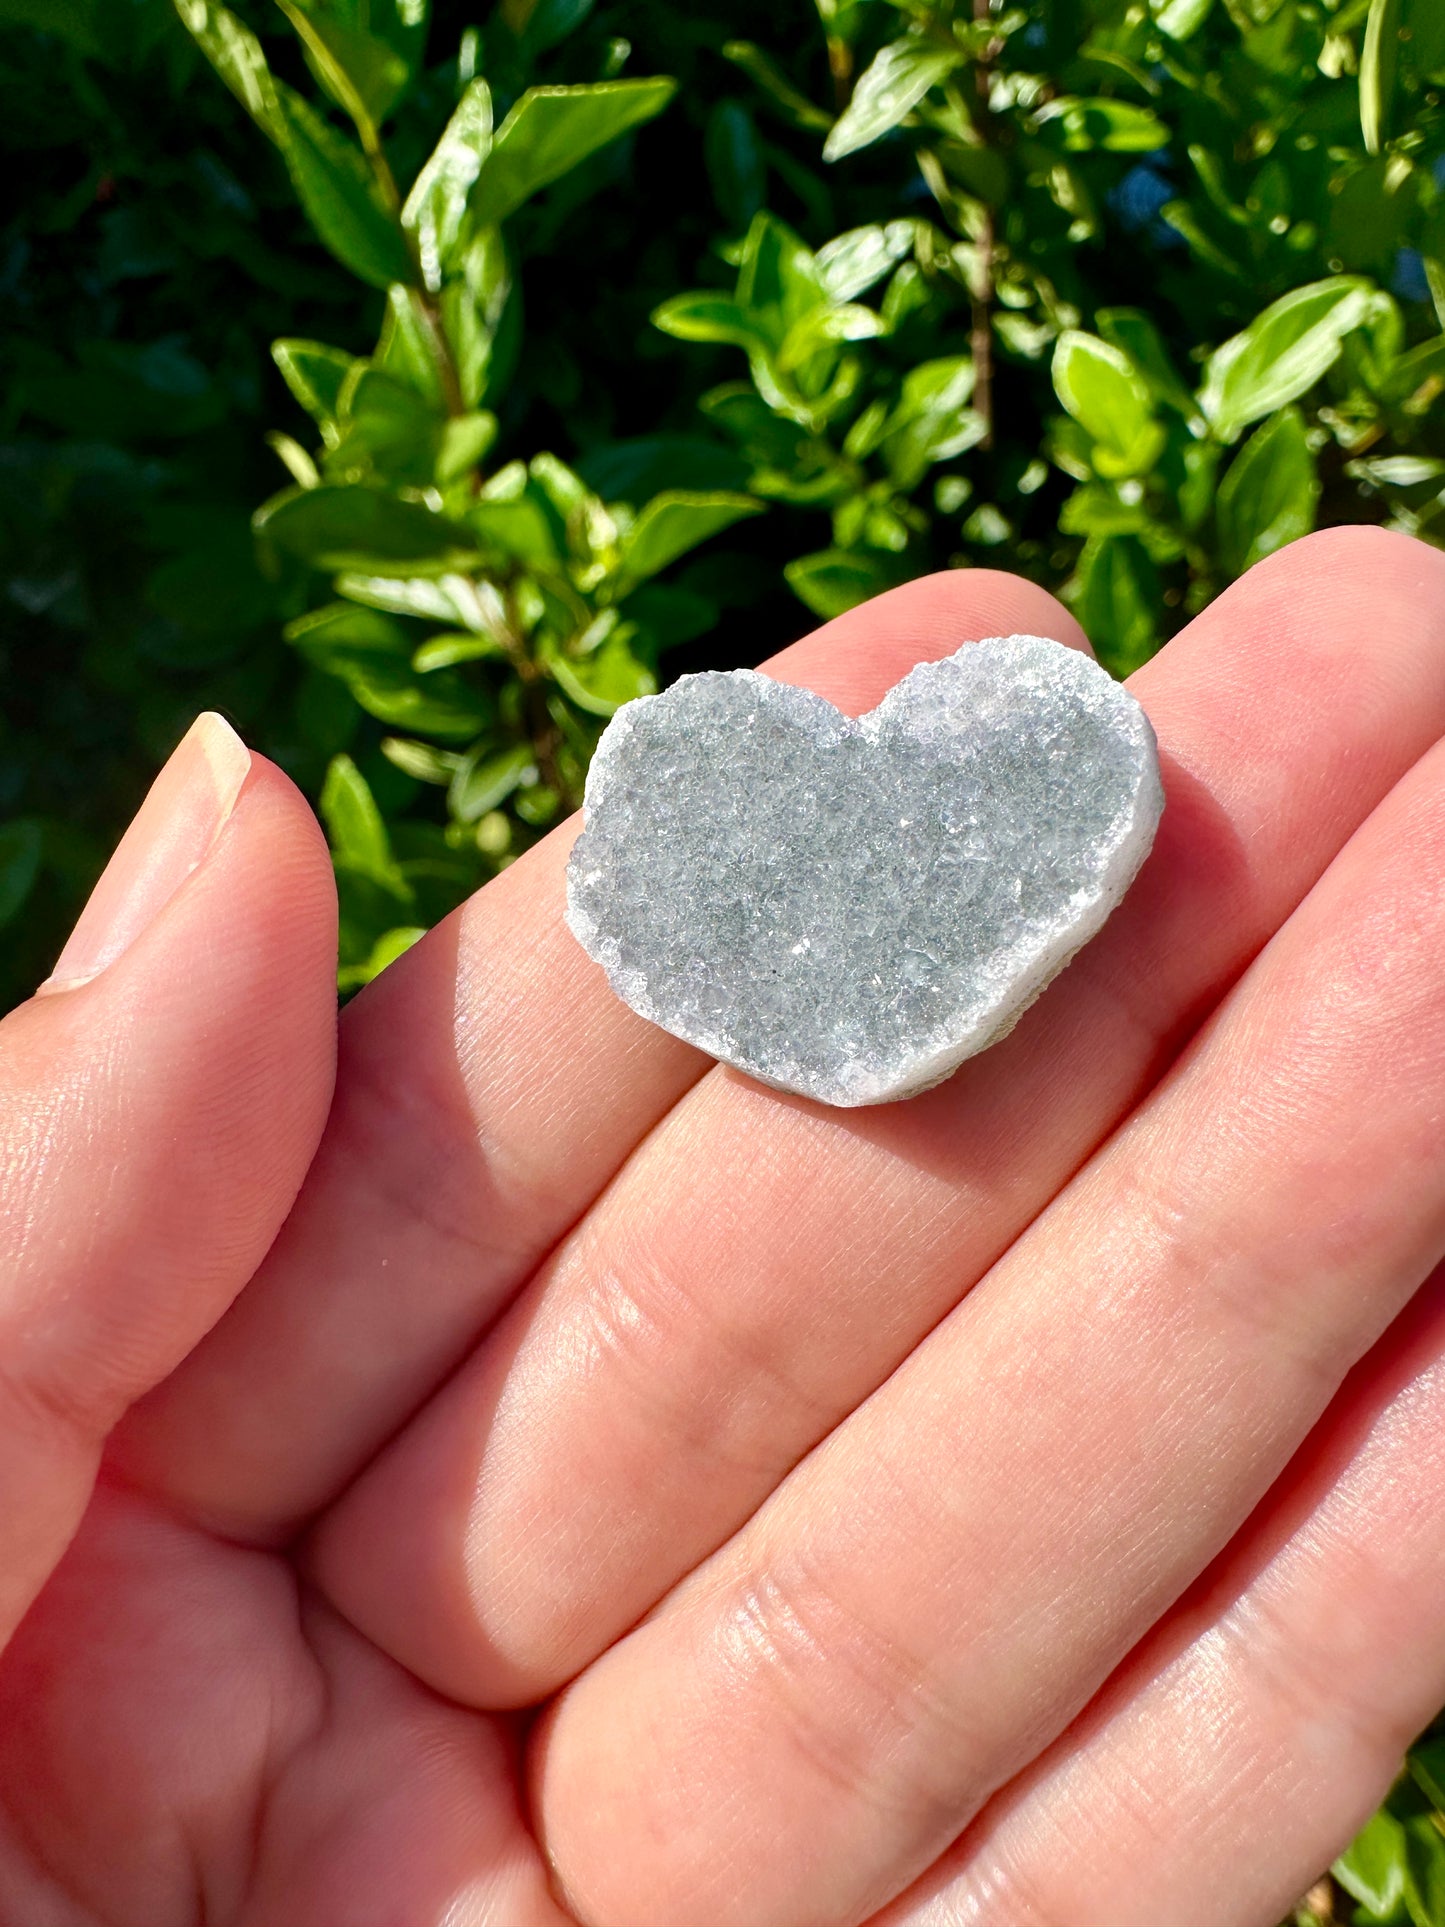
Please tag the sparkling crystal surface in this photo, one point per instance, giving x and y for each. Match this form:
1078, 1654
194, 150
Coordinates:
849, 908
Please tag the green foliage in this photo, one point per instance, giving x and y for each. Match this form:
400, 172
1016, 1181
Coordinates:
1394, 1869
597, 339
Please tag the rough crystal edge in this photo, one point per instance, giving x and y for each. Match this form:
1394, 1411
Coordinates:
1134, 844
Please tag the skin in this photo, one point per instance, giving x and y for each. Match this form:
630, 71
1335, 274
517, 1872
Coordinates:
493, 1466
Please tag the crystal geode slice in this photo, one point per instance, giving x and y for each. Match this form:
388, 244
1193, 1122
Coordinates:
849, 908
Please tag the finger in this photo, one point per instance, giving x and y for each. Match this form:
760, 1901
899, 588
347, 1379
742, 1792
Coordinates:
1243, 1745
158, 1108
943, 1584
489, 1085
763, 1263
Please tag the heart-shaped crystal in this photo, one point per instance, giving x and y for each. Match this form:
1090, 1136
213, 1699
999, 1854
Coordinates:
849, 908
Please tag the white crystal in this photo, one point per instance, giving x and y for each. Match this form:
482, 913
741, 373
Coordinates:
845, 908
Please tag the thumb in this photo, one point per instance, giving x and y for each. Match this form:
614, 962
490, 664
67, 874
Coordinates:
160, 1100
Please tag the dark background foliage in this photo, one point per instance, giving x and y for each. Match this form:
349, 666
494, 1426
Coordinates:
1121, 295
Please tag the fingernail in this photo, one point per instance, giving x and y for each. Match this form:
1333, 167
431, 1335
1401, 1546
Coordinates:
170, 838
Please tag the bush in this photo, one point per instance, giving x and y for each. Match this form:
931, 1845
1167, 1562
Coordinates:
612, 338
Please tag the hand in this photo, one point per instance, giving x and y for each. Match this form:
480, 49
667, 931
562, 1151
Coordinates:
1026, 1493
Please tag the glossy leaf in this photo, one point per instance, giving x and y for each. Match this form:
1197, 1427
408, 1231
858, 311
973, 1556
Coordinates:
708, 317
340, 196
602, 682
1373, 1867
890, 87
1107, 396
1180, 19
354, 527
675, 522
1269, 495
932, 421
1116, 598
487, 778
354, 825
551, 130
835, 580
851, 263
437, 203
1117, 126
238, 57
1379, 64
370, 653
1282, 353
315, 375
361, 73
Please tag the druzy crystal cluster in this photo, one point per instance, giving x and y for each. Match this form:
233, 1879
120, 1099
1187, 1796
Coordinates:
846, 907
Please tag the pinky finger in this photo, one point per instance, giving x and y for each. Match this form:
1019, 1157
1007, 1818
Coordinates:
1246, 1740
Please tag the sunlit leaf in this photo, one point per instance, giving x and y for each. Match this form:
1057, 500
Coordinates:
337, 189
677, 521
551, 130
889, 88
1282, 353
437, 203
1269, 494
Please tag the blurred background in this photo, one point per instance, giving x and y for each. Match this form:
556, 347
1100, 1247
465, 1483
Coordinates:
417, 384
1123, 296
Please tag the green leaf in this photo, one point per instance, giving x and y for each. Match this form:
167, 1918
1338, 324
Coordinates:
770, 77
1116, 598
445, 652
341, 199
1379, 64
437, 203
553, 129
1282, 353
1132, 332
1269, 495
708, 317
354, 527
892, 85
371, 654
488, 777
362, 74
931, 422
390, 945
237, 56
676, 521
453, 599
1117, 126
778, 279
1425, 1871
388, 431
465, 441
354, 825
315, 375
835, 580
1104, 392
602, 682
21, 845
825, 326
1180, 19
1372, 1867
851, 263
525, 527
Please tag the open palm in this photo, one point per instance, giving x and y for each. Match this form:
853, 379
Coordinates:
614, 1492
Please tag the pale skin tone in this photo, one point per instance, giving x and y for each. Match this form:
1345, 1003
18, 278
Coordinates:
513, 1471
